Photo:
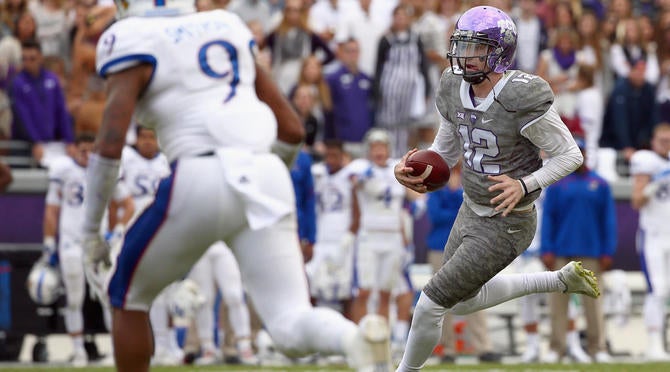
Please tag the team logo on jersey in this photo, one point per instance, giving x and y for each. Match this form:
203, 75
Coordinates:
460, 115
473, 118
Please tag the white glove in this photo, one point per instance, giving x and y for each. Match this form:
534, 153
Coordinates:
115, 238
96, 249
96, 265
185, 298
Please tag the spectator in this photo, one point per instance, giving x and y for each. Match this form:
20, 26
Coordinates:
304, 101
631, 113
368, 29
630, 50
579, 223
26, 27
651, 179
40, 112
351, 91
590, 111
558, 66
291, 42
532, 36
401, 62
311, 74
325, 16
252, 10
449, 11
10, 13
432, 33
53, 27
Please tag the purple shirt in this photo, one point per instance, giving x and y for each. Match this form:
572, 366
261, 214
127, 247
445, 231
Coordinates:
40, 113
352, 109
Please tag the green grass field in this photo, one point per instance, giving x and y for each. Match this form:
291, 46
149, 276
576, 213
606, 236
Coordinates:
615, 367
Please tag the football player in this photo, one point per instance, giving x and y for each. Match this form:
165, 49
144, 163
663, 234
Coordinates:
497, 121
218, 268
651, 195
192, 77
381, 245
330, 271
63, 218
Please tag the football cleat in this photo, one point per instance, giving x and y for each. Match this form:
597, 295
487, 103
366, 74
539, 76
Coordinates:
369, 349
579, 280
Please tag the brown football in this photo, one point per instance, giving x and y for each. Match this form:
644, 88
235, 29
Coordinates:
432, 165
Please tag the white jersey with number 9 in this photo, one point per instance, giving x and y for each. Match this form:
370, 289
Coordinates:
202, 85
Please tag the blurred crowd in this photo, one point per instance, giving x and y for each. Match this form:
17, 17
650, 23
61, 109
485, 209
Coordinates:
350, 65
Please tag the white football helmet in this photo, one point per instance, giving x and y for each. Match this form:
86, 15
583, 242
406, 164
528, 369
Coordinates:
377, 135
185, 298
43, 283
153, 8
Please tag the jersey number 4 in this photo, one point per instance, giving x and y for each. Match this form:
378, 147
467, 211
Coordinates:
477, 144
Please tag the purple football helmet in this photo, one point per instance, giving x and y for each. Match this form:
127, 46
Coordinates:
486, 33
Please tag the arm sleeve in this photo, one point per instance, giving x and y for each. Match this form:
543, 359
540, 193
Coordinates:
447, 142
551, 135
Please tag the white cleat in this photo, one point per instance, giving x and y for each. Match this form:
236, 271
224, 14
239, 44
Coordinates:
579, 280
551, 357
166, 357
248, 358
531, 355
79, 359
657, 355
603, 357
578, 355
369, 349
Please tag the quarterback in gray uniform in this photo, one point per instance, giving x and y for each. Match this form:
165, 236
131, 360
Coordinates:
496, 122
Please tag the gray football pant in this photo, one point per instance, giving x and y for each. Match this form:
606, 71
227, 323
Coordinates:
478, 248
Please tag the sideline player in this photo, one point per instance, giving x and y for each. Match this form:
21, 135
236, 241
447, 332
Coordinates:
330, 271
381, 244
497, 121
651, 195
64, 217
193, 78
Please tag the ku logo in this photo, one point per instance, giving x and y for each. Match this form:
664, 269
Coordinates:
473, 118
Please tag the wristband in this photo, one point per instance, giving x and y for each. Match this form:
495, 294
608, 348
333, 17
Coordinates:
523, 186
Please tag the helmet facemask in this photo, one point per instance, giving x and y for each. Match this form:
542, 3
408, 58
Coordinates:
470, 55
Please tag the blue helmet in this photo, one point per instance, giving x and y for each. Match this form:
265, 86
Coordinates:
486, 33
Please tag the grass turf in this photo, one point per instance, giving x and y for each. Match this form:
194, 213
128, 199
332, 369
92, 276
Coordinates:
614, 367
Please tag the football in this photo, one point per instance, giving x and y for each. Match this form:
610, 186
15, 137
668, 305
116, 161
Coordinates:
432, 165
